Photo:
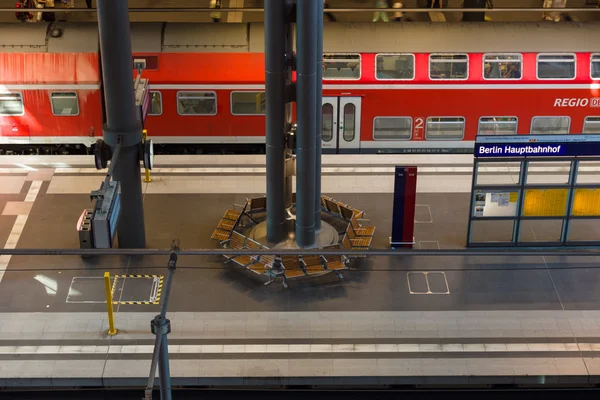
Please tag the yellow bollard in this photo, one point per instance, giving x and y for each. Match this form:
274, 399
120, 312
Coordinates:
147, 177
109, 305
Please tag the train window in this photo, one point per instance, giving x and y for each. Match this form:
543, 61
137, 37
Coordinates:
502, 66
443, 128
327, 122
550, 125
497, 126
155, 103
395, 66
11, 104
591, 125
248, 103
65, 104
595, 66
448, 66
349, 122
196, 103
341, 66
556, 66
392, 128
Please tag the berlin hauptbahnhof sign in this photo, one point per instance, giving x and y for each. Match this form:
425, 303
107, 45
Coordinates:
537, 146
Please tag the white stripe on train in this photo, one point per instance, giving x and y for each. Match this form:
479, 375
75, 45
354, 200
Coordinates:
590, 86
88, 141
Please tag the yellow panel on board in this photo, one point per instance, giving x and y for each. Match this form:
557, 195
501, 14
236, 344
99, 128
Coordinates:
545, 202
586, 202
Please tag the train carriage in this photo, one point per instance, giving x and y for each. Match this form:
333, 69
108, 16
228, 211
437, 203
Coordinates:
387, 88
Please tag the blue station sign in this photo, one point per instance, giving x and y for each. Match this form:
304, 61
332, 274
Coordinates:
538, 146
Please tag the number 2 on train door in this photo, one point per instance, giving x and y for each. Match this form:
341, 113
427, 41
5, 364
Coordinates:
419, 127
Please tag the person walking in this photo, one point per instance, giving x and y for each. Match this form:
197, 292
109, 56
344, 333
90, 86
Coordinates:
88, 3
380, 14
398, 14
216, 16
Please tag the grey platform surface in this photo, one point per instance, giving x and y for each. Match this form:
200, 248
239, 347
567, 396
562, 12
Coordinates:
305, 348
392, 320
34, 283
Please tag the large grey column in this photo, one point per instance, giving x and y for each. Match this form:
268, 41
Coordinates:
122, 125
275, 118
306, 78
319, 111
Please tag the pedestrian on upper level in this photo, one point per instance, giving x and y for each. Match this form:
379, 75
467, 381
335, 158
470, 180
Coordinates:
383, 15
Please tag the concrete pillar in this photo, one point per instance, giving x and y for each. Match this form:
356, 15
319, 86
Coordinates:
275, 118
319, 111
122, 125
306, 77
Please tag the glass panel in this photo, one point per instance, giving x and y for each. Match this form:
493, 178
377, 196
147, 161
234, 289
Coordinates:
540, 231
550, 125
588, 172
395, 66
550, 172
545, 202
196, 103
341, 66
448, 66
492, 231
11, 104
595, 66
586, 202
155, 103
495, 203
502, 66
583, 230
65, 104
349, 122
591, 125
556, 66
248, 103
392, 128
327, 122
498, 173
497, 126
445, 128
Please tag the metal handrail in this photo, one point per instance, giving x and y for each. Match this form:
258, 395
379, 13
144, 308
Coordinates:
328, 10
579, 252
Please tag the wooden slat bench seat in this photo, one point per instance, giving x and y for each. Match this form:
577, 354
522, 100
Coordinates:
220, 235
335, 263
238, 242
350, 246
226, 225
312, 264
361, 230
232, 215
358, 241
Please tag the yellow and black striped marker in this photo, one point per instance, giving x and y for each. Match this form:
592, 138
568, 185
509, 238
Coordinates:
159, 285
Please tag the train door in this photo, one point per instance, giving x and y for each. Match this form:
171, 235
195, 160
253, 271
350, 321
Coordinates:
341, 124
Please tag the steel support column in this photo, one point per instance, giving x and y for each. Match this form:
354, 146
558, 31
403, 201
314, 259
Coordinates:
122, 125
306, 78
319, 112
275, 67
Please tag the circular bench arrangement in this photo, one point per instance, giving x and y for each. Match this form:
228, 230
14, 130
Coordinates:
233, 232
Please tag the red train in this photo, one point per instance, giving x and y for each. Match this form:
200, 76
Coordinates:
412, 87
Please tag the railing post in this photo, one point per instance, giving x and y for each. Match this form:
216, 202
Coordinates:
147, 177
109, 304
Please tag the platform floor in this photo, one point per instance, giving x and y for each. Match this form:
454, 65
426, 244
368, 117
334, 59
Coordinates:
54, 303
